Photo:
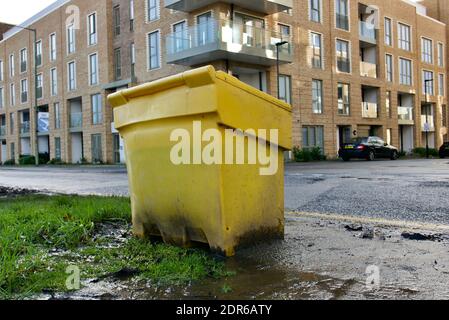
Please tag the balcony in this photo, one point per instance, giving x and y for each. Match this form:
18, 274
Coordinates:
369, 110
2, 131
367, 32
223, 39
368, 69
405, 115
25, 128
262, 6
76, 120
427, 120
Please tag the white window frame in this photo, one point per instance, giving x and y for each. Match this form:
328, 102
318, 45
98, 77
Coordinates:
349, 55
426, 54
441, 84
410, 36
441, 55
12, 94
424, 71
22, 81
89, 34
70, 31
386, 67
147, 11
26, 60
53, 50
97, 69
54, 82
311, 33
158, 31
74, 76
411, 71
391, 32
12, 65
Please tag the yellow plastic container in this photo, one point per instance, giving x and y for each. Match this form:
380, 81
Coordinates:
224, 205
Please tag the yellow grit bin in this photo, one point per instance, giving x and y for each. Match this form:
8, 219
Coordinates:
205, 159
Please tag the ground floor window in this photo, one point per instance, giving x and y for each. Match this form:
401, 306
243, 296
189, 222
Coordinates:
313, 136
58, 148
13, 151
97, 153
116, 142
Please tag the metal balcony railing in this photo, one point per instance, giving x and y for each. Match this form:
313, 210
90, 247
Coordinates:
405, 113
76, 120
369, 110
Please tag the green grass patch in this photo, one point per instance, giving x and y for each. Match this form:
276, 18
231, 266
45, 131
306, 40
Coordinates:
33, 226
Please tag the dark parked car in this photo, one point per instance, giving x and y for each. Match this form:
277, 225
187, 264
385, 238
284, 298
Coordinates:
444, 150
368, 148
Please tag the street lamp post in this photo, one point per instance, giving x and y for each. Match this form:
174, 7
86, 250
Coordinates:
36, 147
278, 47
427, 116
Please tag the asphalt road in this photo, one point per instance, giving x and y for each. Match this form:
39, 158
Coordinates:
408, 190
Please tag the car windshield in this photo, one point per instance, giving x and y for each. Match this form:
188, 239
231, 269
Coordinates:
359, 140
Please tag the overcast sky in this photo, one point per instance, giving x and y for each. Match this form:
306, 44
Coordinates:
17, 11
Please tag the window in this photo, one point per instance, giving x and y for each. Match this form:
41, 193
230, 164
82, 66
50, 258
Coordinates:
2, 98
133, 60
388, 32
39, 53
153, 50
285, 88
284, 30
404, 37
72, 76
389, 67
13, 151
342, 14
131, 15
97, 114
427, 50
405, 72
97, 153
12, 94
344, 105
1, 70
53, 47
388, 104
116, 15
428, 82
11, 66
53, 82
313, 136
441, 84
23, 60
39, 86
58, 148
153, 10
343, 59
92, 20
24, 91
57, 111
118, 64
12, 122
181, 36
205, 27
71, 41
317, 96
317, 52
93, 69
315, 10
440, 55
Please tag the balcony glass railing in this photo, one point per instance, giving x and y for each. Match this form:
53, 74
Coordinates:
2, 131
235, 37
25, 127
405, 113
369, 110
367, 30
368, 69
76, 120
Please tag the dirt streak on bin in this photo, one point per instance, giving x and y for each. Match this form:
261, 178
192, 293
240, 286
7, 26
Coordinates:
225, 206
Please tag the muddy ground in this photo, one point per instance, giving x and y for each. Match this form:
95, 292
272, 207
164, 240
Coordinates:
322, 257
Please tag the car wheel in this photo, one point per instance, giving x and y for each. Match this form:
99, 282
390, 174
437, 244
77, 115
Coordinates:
371, 156
394, 155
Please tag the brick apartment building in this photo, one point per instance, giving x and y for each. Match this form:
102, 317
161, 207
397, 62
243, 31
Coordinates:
343, 77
